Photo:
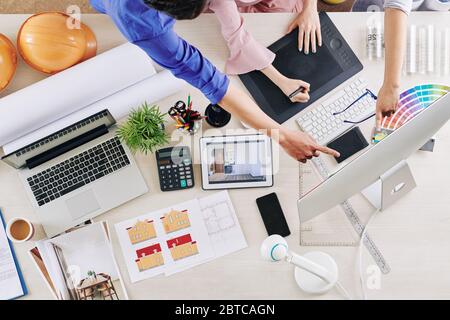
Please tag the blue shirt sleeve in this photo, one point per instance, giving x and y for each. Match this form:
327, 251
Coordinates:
98, 5
153, 32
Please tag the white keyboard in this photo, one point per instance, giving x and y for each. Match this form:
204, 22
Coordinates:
323, 126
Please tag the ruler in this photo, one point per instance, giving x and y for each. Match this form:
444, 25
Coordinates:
354, 219
305, 229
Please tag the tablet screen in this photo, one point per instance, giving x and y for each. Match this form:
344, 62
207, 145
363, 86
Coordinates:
236, 162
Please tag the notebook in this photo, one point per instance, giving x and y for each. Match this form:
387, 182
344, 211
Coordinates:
12, 285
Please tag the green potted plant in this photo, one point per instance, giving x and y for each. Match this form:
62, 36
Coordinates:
144, 130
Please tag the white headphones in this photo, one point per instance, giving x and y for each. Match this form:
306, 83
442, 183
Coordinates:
315, 273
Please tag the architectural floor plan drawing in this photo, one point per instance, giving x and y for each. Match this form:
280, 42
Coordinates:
224, 231
222, 224
218, 216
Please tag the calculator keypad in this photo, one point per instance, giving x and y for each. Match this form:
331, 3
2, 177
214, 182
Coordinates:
176, 176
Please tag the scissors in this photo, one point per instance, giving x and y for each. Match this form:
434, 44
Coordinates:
179, 108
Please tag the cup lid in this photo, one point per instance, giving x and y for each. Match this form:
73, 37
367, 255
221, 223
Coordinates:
8, 61
48, 44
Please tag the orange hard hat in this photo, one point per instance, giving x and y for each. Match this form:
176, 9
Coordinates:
8, 61
48, 43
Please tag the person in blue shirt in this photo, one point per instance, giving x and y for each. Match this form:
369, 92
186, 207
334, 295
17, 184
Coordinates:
144, 24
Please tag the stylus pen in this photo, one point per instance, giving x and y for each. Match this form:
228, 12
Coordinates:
296, 92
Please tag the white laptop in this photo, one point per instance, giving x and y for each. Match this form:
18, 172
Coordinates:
78, 173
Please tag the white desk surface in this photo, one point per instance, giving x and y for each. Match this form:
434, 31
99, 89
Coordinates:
413, 235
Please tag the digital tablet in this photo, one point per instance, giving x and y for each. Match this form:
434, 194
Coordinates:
333, 64
242, 161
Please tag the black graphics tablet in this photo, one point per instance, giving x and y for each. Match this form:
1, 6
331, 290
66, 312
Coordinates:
333, 64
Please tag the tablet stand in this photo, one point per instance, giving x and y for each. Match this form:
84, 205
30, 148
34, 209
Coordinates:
391, 186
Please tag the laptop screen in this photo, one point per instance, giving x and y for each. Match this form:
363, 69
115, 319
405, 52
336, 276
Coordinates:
18, 159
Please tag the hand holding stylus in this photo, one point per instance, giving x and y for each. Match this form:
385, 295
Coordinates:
296, 90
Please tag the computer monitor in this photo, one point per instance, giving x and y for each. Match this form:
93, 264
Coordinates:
368, 167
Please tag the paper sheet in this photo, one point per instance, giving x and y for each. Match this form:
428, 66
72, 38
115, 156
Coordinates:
223, 226
10, 285
42, 269
167, 240
118, 79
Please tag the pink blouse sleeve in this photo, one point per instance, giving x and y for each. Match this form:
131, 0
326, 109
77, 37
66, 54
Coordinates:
246, 54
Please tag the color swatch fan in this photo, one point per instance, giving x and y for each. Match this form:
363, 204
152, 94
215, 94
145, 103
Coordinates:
412, 102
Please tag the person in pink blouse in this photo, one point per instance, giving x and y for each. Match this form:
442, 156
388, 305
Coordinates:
246, 54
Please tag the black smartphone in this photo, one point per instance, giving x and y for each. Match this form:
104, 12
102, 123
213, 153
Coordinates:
272, 215
348, 144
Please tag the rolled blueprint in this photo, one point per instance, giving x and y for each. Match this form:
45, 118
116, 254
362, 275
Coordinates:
46, 101
150, 90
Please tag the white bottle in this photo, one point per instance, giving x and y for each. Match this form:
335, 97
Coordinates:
374, 40
422, 50
430, 49
412, 50
446, 52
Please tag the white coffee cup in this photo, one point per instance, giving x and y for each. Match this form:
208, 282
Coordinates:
19, 230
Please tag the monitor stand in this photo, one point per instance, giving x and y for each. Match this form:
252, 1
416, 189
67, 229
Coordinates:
391, 186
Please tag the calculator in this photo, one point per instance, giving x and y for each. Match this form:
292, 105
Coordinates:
175, 168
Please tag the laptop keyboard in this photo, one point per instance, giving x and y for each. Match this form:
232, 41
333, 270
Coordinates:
78, 171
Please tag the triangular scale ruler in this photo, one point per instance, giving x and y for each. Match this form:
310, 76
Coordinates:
330, 229
340, 226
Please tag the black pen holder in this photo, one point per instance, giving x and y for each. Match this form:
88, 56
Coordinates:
216, 116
